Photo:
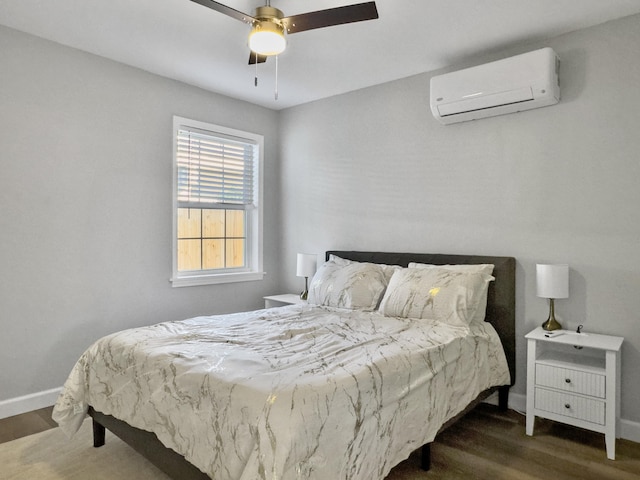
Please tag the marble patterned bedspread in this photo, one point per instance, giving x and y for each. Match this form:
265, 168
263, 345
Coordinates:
297, 392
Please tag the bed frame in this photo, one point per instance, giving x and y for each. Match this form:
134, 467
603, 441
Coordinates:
500, 313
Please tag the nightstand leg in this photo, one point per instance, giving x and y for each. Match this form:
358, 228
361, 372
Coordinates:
612, 362
610, 441
531, 378
530, 423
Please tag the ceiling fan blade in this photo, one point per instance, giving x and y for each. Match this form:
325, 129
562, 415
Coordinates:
253, 58
332, 16
231, 12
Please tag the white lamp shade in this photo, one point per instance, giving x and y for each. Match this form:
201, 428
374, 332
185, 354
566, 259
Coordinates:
306, 266
552, 281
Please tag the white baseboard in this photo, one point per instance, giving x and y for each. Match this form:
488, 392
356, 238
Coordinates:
27, 403
628, 430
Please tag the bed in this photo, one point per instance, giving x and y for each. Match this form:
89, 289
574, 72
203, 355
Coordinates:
325, 390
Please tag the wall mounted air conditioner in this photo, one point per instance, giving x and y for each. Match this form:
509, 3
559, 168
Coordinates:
510, 85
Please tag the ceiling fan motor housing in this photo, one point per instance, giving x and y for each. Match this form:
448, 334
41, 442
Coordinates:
269, 13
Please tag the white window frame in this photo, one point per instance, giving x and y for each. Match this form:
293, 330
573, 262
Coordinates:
254, 236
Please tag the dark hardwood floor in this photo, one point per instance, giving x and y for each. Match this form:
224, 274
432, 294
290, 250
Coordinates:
491, 444
29, 423
486, 444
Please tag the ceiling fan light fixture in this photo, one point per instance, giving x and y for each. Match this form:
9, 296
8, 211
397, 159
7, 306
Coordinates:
267, 38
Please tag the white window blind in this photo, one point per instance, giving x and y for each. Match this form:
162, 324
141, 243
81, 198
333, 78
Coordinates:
214, 170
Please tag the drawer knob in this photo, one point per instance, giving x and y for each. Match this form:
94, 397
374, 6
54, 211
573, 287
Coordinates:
567, 380
566, 405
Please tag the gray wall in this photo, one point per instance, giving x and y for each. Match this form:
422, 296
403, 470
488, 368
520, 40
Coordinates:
373, 170
86, 205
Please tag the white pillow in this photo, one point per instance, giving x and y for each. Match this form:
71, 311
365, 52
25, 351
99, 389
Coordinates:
347, 284
441, 294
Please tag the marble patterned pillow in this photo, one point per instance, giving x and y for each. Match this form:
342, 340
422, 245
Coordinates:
469, 268
344, 283
441, 294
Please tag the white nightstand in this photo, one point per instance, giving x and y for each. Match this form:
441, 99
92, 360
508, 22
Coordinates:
574, 378
282, 300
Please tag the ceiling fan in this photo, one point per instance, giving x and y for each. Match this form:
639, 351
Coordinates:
268, 24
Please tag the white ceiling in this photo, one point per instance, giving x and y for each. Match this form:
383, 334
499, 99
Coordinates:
185, 41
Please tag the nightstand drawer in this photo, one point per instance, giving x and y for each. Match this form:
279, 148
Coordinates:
569, 380
575, 406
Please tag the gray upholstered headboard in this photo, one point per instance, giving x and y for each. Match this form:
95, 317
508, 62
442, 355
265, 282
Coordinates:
501, 299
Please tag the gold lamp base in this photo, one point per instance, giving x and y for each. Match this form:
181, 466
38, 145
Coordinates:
551, 323
305, 292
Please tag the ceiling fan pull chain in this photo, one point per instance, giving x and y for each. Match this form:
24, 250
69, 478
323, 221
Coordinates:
255, 79
276, 92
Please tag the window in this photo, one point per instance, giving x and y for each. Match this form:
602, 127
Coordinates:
217, 227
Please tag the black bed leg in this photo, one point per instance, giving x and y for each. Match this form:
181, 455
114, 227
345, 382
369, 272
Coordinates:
98, 434
426, 457
503, 398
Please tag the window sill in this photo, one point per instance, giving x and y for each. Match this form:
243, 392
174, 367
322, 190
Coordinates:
196, 280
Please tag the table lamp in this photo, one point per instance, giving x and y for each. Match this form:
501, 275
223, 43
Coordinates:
306, 267
552, 281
